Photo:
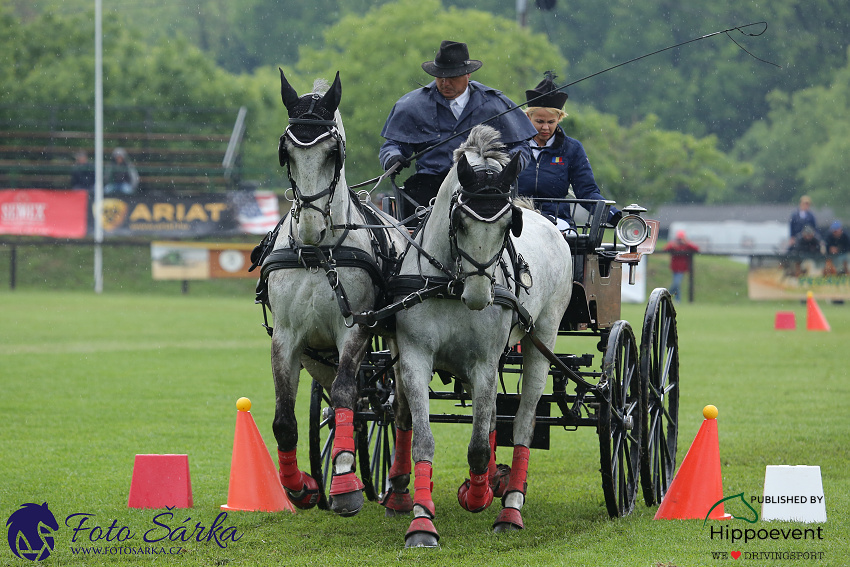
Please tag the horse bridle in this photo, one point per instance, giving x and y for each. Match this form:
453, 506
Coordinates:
310, 118
484, 189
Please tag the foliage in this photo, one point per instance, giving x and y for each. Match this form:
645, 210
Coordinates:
376, 68
708, 87
801, 146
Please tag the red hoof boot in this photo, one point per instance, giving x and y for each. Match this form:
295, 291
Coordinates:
499, 482
308, 496
509, 519
470, 501
397, 502
346, 494
421, 533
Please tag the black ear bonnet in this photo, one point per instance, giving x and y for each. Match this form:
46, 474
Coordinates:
311, 117
486, 192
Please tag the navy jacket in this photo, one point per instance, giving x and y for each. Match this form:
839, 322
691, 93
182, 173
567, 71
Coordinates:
557, 167
422, 118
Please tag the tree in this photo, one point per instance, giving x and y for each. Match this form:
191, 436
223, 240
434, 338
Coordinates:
376, 67
801, 146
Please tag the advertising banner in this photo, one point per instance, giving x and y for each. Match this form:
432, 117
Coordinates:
200, 260
791, 277
190, 215
37, 212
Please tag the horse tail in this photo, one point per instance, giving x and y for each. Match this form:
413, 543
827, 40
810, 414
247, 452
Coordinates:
484, 141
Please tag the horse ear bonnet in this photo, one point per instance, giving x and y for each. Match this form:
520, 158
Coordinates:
311, 106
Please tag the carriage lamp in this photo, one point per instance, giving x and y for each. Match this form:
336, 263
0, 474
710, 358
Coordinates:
632, 230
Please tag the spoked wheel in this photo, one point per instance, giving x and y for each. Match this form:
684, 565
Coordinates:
620, 421
322, 426
659, 372
374, 436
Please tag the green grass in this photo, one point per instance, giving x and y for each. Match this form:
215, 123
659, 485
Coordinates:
90, 381
127, 269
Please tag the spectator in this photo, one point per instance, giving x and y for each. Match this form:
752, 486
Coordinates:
808, 243
82, 174
838, 248
681, 251
451, 103
802, 217
560, 162
121, 175
837, 242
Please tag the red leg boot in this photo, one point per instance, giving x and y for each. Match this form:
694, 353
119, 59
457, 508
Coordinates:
301, 488
397, 500
422, 532
510, 517
346, 494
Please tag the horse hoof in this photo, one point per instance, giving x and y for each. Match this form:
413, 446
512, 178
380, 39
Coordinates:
499, 482
421, 533
509, 520
470, 503
346, 505
421, 540
397, 503
308, 496
505, 527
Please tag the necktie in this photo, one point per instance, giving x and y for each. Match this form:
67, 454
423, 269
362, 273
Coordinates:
456, 110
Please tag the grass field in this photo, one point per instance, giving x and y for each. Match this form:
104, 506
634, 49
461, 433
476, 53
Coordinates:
90, 381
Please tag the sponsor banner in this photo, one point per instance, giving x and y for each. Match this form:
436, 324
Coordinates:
190, 215
37, 212
791, 277
200, 260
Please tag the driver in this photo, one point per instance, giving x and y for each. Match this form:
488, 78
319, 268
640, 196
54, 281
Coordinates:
450, 104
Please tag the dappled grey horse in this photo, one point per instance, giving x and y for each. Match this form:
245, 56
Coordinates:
464, 239
320, 272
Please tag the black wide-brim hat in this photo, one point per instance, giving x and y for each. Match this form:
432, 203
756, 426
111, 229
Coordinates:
452, 60
548, 93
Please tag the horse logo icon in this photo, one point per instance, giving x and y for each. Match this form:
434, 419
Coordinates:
31, 530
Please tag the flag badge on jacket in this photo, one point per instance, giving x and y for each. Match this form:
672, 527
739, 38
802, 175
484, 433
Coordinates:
558, 160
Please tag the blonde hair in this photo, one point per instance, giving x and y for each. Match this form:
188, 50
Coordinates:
532, 109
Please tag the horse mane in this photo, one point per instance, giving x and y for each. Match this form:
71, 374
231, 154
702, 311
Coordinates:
321, 86
484, 141
524, 203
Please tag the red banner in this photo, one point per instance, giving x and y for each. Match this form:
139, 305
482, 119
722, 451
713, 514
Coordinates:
60, 214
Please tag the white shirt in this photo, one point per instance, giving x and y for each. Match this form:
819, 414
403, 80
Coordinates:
458, 103
535, 149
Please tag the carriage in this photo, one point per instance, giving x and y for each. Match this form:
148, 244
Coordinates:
372, 328
636, 420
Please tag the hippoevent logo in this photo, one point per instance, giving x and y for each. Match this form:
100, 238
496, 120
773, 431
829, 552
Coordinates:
31, 529
733, 535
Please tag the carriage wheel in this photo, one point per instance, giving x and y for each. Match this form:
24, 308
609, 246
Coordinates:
620, 421
321, 440
374, 439
659, 372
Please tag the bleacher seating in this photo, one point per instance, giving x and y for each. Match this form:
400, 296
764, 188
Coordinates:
165, 161
174, 149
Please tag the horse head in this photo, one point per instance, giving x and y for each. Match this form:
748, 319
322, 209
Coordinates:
481, 214
313, 150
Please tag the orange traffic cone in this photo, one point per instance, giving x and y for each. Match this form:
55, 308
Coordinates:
815, 321
254, 482
697, 486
